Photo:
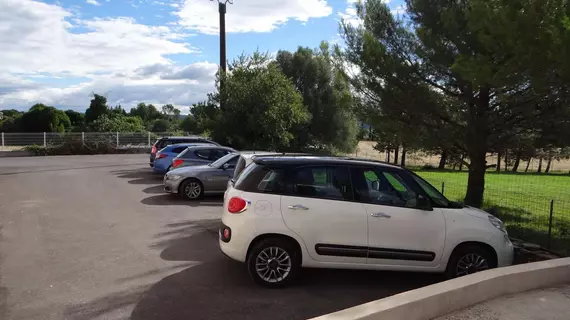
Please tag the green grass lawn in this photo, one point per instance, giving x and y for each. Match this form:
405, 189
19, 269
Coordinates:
522, 201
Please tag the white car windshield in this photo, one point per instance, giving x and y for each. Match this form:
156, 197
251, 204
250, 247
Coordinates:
432, 192
218, 163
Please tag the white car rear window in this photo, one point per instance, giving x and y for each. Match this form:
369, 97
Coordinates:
244, 173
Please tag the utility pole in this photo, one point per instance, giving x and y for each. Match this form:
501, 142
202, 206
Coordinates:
223, 59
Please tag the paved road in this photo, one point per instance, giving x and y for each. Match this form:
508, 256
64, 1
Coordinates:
550, 303
94, 237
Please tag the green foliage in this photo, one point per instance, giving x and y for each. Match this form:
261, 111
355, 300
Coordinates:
77, 119
463, 69
118, 110
189, 124
97, 108
327, 97
10, 121
147, 112
117, 123
42, 118
160, 125
72, 145
170, 112
262, 106
11, 113
204, 116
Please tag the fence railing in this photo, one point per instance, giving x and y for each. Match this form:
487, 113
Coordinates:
530, 211
119, 139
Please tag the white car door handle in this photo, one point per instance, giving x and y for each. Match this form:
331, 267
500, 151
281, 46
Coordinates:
380, 215
298, 207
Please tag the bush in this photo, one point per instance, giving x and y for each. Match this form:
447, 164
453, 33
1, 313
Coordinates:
75, 146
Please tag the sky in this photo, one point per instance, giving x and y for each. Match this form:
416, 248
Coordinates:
60, 52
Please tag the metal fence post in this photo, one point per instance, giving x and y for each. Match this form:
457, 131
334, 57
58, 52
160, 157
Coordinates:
149, 138
550, 223
83, 137
117, 139
443, 187
45, 144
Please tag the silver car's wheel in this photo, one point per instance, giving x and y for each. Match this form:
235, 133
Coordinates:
471, 263
192, 189
273, 264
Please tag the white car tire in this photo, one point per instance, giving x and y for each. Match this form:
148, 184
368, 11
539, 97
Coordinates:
274, 262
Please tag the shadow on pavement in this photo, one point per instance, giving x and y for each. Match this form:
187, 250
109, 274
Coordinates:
217, 287
159, 189
139, 176
107, 305
172, 199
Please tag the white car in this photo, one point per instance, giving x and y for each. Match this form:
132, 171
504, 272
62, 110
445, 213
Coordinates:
288, 212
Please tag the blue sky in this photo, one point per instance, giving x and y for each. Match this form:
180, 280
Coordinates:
156, 51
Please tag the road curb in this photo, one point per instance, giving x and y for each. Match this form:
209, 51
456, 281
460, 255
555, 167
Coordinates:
445, 297
10, 154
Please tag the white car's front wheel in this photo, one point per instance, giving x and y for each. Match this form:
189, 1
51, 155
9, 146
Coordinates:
469, 259
274, 262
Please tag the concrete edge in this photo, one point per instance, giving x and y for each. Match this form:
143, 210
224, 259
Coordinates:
448, 296
15, 153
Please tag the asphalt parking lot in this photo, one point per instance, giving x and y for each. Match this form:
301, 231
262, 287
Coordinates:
95, 237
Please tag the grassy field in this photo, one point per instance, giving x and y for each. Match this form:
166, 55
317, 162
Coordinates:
522, 200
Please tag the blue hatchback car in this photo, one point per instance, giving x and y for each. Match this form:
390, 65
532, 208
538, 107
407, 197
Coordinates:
163, 159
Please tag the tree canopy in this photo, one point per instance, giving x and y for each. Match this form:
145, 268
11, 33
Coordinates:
42, 118
262, 107
326, 95
487, 70
97, 108
117, 123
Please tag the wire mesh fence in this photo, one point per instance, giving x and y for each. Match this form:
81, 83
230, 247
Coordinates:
534, 208
11, 140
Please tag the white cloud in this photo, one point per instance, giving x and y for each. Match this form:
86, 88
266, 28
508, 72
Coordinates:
37, 37
93, 2
43, 40
350, 16
249, 15
158, 84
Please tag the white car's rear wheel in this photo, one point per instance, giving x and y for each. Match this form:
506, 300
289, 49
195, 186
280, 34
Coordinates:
274, 262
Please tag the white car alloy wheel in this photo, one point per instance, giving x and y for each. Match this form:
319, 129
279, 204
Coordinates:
273, 264
193, 190
471, 263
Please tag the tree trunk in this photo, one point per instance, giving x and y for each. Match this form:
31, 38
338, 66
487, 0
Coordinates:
396, 151
461, 163
476, 180
442, 160
517, 162
498, 162
539, 165
506, 161
547, 170
477, 139
404, 151
528, 164
388, 155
